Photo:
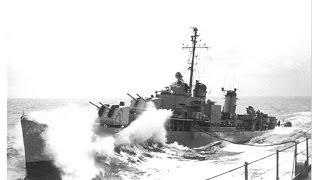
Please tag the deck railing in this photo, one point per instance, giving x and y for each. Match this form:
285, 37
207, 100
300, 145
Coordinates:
288, 165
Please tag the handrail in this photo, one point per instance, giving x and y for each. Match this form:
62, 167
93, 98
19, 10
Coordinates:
261, 158
225, 172
286, 148
278, 164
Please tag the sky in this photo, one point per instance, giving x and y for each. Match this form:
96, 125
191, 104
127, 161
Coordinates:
98, 49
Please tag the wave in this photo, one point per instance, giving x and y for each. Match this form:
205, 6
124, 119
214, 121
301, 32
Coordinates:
81, 154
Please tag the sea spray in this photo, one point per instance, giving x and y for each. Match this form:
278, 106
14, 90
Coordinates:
74, 147
68, 140
148, 126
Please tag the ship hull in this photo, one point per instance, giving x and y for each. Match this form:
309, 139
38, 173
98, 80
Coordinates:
198, 139
39, 170
33, 139
34, 142
40, 165
194, 139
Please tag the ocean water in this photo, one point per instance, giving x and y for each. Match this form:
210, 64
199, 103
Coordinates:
131, 160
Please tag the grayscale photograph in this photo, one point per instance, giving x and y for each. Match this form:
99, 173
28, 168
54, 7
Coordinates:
190, 90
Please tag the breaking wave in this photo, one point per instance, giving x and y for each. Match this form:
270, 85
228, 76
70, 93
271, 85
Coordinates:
81, 154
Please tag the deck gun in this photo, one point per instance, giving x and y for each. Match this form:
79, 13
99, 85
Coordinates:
94, 105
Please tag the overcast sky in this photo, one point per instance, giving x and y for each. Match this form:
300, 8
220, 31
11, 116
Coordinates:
80, 49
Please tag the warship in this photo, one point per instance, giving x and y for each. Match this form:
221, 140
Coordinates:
196, 121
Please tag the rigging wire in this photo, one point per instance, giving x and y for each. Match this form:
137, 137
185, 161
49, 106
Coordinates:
224, 81
185, 70
233, 81
197, 67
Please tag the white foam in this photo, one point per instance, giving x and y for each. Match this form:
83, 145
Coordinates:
149, 126
68, 140
74, 147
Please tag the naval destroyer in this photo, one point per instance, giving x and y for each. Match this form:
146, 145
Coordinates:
196, 121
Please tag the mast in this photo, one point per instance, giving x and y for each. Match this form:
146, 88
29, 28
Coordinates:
194, 41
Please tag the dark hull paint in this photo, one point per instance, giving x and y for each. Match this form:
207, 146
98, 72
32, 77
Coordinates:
34, 145
197, 139
42, 170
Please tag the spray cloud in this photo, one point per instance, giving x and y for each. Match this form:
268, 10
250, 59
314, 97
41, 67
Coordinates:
149, 126
69, 137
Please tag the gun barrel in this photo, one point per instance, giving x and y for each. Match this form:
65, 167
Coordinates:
141, 97
107, 106
131, 97
94, 104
